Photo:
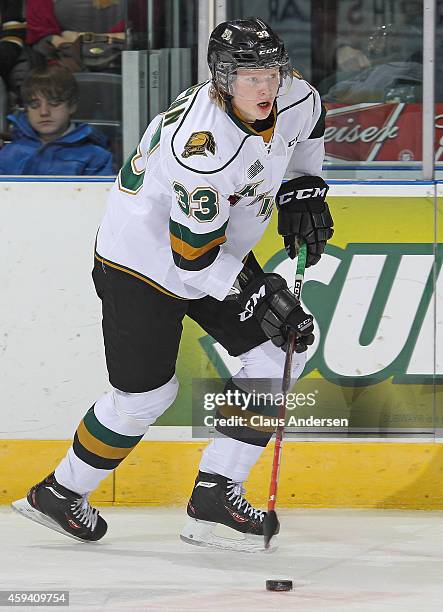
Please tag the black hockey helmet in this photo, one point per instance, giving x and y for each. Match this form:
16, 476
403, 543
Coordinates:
246, 43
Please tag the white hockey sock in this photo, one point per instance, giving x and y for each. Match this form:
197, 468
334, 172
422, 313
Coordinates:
78, 476
116, 417
230, 458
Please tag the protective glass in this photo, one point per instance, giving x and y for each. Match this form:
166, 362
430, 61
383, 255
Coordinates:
254, 83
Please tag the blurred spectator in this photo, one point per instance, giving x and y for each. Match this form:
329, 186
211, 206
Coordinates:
82, 35
351, 58
12, 35
350, 61
44, 140
14, 61
389, 71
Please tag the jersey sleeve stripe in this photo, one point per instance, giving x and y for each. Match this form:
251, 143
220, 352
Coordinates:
184, 234
192, 246
193, 251
189, 252
155, 140
195, 264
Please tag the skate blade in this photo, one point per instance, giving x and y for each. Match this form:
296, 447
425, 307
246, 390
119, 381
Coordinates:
23, 507
201, 533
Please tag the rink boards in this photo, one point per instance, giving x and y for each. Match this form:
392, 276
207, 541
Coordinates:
377, 360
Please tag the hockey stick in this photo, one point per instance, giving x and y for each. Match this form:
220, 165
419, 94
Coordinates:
271, 524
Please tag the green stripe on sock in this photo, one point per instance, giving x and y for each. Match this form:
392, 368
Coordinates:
107, 436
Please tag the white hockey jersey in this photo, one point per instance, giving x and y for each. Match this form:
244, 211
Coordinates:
198, 192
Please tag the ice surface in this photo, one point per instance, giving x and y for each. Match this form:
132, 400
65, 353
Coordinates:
339, 560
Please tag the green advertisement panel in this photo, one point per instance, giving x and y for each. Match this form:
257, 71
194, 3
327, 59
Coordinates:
375, 360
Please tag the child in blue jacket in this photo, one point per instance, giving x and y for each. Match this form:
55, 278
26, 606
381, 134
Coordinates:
44, 140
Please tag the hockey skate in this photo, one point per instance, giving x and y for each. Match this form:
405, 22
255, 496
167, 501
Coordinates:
216, 500
54, 506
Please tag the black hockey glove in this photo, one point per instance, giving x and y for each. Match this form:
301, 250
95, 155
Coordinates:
269, 300
304, 213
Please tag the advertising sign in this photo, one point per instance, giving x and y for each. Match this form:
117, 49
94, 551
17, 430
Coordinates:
378, 133
378, 354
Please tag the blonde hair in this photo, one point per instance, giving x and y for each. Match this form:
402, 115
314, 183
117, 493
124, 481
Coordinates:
216, 96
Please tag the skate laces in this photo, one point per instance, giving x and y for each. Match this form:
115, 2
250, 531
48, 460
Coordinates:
235, 491
84, 512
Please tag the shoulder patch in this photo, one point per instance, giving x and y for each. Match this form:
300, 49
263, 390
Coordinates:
198, 143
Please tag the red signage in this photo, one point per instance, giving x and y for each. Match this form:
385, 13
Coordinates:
378, 132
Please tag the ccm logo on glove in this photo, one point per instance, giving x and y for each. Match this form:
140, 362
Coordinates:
252, 303
302, 194
303, 214
305, 324
277, 310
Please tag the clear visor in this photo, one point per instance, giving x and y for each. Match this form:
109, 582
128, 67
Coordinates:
260, 83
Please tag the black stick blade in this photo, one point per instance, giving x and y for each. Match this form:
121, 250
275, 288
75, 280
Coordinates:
271, 527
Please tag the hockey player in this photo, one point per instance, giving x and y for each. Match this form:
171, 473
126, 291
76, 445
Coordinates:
176, 239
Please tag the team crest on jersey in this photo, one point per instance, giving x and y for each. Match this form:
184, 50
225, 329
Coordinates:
198, 143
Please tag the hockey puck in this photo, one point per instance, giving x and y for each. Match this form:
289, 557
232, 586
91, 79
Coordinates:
279, 585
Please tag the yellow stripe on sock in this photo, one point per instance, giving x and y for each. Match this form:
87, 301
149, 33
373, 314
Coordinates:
100, 448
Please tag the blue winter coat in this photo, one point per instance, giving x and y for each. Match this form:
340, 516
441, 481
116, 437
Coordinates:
80, 152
